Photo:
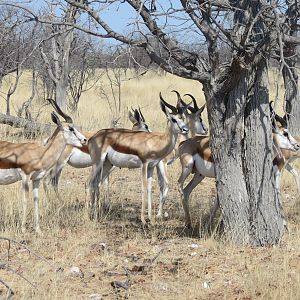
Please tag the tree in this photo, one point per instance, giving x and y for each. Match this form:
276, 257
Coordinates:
83, 74
16, 47
56, 52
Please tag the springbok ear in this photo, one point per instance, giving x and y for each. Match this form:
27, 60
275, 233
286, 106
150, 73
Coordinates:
281, 120
141, 115
55, 119
131, 117
137, 116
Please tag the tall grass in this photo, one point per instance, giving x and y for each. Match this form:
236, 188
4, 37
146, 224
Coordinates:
179, 271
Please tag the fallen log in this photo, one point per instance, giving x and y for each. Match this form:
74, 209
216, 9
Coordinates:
29, 127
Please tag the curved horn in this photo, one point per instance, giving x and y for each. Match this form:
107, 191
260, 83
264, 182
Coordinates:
287, 110
143, 119
196, 108
180, 102
131, 117
276, 117
173, 109
178, 95
67, 118
181, 105
201, 109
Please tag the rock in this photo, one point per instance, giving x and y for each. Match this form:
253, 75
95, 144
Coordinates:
194, 246
118, 284
95, 296
75, 272
205, 285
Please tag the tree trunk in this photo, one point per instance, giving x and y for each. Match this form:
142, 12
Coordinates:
266, 216
291, 97
61, 88
290, 72
225, 113
242, 150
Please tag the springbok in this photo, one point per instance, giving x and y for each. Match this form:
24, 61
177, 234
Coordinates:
31, 161
284, 159
193, 120
125, 148
196, 157
80, 158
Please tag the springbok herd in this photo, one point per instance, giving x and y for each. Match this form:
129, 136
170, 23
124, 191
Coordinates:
185, 138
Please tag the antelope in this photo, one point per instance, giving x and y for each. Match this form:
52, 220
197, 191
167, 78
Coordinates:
80, 158
138, 118
31, 161
196, 157
125, 148
284, 159
194, 122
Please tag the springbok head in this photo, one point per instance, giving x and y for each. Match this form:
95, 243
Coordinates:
174, 117
281, 135
194, 118
137, 119
71, 134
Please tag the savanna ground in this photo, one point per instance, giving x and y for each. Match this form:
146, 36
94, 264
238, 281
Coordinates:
161, 262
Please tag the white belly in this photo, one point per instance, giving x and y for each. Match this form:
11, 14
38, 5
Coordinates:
204, 167
79, 159
122, 160
9, 176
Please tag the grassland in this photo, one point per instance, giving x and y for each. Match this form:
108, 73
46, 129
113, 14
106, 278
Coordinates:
162, 262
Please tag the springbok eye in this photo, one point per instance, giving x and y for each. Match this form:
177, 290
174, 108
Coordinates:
173, 120
71, 129
285, 133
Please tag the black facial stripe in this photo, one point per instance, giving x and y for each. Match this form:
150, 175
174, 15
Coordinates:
74, 132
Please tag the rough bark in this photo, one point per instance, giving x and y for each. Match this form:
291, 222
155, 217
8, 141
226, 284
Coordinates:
265, 215
225, 114
290, 72
291, 96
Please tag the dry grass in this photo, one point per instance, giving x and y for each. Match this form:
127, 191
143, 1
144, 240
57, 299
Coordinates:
162, 261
